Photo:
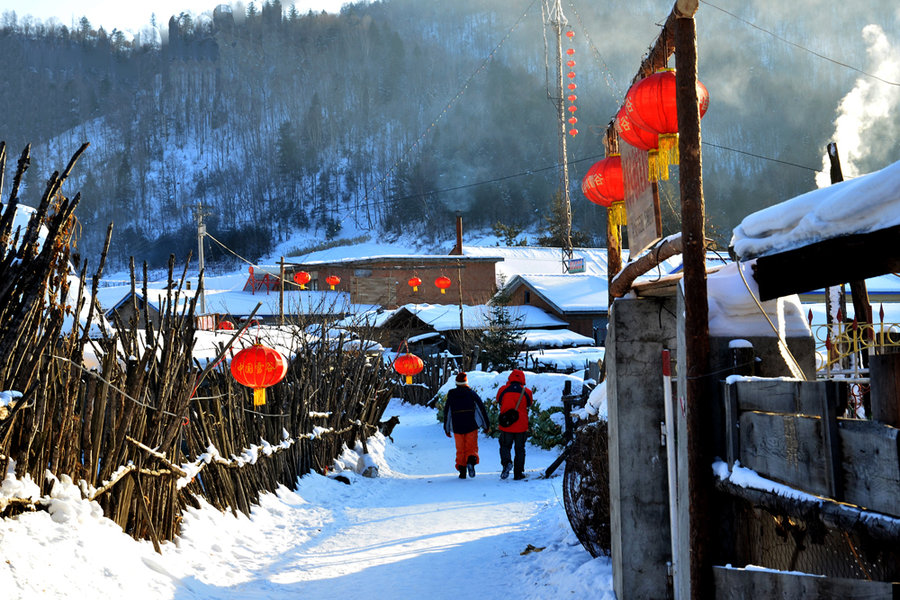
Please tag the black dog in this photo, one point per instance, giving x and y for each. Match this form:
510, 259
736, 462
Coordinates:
387, 427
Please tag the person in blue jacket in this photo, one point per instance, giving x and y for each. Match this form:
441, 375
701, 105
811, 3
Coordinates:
464, 415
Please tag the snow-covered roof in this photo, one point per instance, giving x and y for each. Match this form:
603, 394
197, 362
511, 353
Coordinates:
524, 260
445, 317
861, 205
568, 294
553, 338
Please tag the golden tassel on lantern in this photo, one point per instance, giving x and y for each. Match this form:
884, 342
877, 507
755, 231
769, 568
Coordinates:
259, 396
657, 167
616, 218
668, 148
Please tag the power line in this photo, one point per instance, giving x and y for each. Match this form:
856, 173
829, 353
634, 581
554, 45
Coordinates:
801, 47
760, 156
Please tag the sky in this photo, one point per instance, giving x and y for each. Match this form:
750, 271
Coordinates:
132, 15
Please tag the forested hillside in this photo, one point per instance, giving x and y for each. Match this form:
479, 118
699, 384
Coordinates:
392, 116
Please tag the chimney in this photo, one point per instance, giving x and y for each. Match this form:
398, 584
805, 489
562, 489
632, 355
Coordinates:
457, 249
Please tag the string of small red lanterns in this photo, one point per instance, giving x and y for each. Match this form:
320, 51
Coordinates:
570, 63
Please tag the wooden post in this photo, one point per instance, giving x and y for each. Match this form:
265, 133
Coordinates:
281, 293
696, 322
858, 292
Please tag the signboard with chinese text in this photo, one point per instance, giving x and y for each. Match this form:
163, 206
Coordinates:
641, 200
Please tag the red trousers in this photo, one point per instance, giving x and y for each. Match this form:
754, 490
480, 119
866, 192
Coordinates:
466, 446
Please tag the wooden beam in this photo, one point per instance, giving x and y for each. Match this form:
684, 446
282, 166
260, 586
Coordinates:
620, 284
828, 262
734, 584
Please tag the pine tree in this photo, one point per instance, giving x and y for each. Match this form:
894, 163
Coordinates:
501, 342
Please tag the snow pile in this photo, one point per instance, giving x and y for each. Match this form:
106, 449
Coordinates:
733, 312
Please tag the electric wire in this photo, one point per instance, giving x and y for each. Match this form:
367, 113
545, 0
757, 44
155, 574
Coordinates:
801, 47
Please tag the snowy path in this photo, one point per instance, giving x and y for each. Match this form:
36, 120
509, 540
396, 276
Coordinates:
417, 531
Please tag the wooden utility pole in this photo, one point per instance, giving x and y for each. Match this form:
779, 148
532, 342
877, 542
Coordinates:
698, 401
281, 292
862, 310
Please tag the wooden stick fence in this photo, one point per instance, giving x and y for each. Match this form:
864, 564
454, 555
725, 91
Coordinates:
148, 430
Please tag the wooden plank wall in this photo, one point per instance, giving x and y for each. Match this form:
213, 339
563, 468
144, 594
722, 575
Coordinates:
787, 431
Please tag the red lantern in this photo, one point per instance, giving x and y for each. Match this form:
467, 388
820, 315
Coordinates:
573, 132
570, 34
642, 140
634, 136
571, 74
573, 108
572, 86
651, 105
414, 283
258, 367
332, 280
570, 51
572, 120
603, 183
225, 325
408, 365
570, 63
442, 282
572, 98
301, 278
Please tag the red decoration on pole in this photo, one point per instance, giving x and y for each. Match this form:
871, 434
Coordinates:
570, 63
332, 280
572, 98
570, 51
603, 183
258, 367
301, 278
443, 282
571, 74
642, 140
572, 120
408, 365
573, 132
651, 105
572, 86
414, 282
570, 34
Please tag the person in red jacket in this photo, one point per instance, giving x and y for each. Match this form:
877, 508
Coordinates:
514, 396
464, 414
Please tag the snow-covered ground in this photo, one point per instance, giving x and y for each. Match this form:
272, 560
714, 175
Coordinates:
416, 531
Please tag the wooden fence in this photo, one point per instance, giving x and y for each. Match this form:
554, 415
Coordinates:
130, 414
844, 529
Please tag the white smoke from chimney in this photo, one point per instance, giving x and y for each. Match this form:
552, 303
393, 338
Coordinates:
871, 107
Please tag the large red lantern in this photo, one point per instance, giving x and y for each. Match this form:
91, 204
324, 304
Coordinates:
408, 365
301, 278
258, 367
225, 325
603, 183
651, 105
332, 280
642, 140
443, 282
414, 283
